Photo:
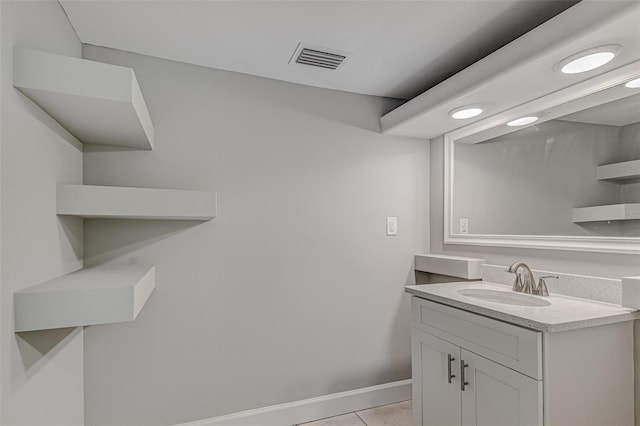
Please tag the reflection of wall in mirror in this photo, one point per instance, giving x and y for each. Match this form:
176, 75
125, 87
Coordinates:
528, 182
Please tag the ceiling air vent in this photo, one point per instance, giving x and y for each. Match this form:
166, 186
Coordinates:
318, 57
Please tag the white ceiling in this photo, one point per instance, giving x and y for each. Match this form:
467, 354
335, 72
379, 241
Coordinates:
400, 48
618, 113
515, 78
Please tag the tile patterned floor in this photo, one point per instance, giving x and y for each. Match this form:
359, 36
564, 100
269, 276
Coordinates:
388, 415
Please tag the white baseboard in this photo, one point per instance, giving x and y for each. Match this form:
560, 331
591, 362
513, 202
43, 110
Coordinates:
307, 410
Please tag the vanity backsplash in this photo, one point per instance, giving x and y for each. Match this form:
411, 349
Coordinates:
595, 288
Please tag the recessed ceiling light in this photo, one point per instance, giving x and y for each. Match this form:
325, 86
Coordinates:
588, 60
522, 121
633, 84
466, 112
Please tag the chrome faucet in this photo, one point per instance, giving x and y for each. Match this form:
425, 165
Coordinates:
527, 284
522, 284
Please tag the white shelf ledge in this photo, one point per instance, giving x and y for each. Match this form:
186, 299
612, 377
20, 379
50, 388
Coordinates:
110, 202
627, 170
97, 103
98, 295
610, 212
468, 268
630, 297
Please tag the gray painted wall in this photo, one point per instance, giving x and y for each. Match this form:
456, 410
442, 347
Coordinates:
42, 372
528, 182
294, 291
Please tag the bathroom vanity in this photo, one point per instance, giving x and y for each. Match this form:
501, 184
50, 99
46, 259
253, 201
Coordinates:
548, 165
484, 355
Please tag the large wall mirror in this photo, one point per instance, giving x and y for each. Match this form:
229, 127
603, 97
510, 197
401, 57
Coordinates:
565, 177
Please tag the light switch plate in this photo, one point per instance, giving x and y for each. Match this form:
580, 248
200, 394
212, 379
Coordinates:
464, 226
392, 226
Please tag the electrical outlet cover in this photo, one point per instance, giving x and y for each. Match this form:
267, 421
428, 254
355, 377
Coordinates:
464, 226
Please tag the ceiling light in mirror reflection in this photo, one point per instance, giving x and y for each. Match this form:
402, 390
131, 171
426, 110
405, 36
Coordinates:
589, 59
522, 121
633, 84
466, 112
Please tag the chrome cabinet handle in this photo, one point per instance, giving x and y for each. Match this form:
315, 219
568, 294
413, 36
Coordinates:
463, 365
449, 375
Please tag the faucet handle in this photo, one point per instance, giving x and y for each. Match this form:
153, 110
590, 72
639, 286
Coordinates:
542, 286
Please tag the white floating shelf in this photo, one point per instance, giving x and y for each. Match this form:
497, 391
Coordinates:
628, 170
98, 103
110, 202
468, 268
627, 211
98, 295
630, 297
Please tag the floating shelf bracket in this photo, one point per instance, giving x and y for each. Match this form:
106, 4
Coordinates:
629, 211
98, 103
468, 268
99, 295
621, 172
111, 202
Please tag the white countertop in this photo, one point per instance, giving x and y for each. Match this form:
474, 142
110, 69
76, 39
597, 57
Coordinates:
563, 313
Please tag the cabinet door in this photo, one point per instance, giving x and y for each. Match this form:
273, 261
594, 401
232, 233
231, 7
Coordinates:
498, 396
436, 402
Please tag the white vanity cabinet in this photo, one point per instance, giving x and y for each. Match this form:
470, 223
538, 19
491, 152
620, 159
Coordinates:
493, 394
515, 375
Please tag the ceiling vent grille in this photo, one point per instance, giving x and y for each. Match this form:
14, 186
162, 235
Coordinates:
318, 57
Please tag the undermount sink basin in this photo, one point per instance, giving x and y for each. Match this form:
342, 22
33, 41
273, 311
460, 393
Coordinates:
503, 297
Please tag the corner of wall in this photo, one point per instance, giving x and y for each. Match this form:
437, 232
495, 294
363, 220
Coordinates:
42, 372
